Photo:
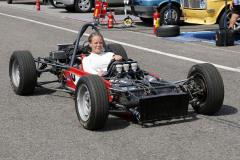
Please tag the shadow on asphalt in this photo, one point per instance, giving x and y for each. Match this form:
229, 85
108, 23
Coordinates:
48, 91
192, 116
121, 121
117, 123
226, 110
143, 24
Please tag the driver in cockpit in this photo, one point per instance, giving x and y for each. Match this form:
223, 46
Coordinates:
97, 62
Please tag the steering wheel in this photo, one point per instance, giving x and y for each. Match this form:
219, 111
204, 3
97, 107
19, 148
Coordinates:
110, 64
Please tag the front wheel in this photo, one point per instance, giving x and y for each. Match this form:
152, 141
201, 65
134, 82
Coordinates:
83, 6
175, 14
236, 26
22, 72
206, 88
91, 102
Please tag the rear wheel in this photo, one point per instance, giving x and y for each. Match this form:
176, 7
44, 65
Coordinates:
9, 1
91, 102
22, 72
236, 26
207, 88
83, 6
118, 50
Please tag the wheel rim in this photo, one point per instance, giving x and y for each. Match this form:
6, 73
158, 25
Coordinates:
128, 22
84, 5
236, 25
200, 88
15, 73
84, 102
173, 16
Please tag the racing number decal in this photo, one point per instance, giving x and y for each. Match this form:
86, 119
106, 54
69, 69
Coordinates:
75, 78
72, 79
68, 78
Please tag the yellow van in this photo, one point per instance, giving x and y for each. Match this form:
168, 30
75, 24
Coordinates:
206, 12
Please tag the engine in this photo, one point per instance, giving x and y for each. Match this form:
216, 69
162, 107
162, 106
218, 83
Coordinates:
134, 83
143, 94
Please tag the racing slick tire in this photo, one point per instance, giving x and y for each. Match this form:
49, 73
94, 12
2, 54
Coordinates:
175, 14
91, 102
83, 6
9, 1
118, 50
22, 72
168, 31
208, 79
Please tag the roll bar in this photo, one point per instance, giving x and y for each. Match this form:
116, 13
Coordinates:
80, 34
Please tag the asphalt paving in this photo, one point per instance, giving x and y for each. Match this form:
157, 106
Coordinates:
45, 125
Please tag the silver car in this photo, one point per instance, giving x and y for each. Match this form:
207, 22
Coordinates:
84, 6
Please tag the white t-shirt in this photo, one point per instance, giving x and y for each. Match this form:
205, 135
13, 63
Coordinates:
96, 62
236, 2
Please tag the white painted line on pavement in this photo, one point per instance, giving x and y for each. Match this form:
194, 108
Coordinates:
45, 24
219, 48
130, 45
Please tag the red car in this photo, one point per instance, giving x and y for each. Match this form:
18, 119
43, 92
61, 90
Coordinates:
125, 88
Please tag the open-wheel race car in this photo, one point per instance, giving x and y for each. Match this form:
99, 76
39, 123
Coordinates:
125, 88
